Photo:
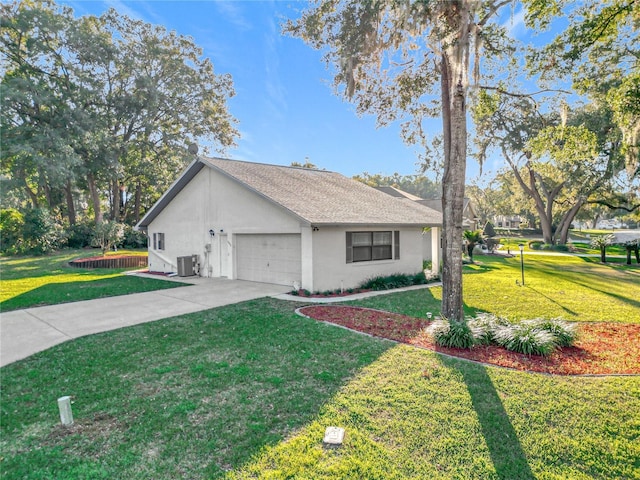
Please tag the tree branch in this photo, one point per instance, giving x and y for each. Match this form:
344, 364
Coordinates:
605, 203
523, 95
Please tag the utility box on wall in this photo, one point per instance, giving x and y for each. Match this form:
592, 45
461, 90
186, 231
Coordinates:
185, 266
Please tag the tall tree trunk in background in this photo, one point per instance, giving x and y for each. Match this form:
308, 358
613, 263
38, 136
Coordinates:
138, 199
71, 209
115, 201
30, 193
47, 195
95, 198
454, 78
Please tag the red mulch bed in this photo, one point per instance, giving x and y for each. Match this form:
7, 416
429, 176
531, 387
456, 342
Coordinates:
102, 257
601, 349
110, 261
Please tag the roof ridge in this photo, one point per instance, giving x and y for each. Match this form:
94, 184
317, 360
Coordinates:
252, 162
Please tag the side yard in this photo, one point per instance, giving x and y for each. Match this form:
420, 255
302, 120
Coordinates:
48, 280
246, 391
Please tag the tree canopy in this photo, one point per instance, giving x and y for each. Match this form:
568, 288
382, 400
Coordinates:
99, 110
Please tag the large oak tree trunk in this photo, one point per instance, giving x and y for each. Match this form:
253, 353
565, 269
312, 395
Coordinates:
454, 79
95, 198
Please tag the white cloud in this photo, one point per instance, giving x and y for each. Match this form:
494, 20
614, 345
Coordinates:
515, 24
233, 13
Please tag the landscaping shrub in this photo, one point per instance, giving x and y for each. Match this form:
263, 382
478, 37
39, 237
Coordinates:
80, 235
531, 337
535, 245
41, 234
397, 280
419, 278
107, 234
564, 333
525, 338
11, 225
451, 334
483, 326
133, 238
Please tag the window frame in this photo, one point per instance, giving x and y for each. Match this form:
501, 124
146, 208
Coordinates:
158, 241
371, 246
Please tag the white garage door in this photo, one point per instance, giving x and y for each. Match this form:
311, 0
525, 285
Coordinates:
269, 258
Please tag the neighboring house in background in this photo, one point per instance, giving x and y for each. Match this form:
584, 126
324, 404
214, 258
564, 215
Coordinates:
609, 223
306, 228
507, 221
469, 217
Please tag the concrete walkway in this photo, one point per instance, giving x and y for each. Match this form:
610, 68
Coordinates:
32, 330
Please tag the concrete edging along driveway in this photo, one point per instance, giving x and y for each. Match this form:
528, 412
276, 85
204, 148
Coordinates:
32, 330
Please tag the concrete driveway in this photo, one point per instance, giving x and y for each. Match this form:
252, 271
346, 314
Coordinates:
25, 332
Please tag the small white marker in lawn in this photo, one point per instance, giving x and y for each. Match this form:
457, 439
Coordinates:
66, 416
334, 435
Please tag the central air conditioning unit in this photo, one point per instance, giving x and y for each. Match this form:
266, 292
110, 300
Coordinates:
185, 266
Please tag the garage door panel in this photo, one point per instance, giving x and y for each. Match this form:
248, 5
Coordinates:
269, 258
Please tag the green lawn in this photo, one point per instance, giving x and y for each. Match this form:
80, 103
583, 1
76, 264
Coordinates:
555, 286
48, 280
246, 391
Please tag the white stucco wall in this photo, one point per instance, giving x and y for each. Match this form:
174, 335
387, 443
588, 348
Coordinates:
213, 201
331, 271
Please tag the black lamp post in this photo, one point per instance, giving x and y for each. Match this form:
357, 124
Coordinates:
521, 247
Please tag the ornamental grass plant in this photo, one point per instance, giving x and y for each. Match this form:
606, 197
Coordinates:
537, 336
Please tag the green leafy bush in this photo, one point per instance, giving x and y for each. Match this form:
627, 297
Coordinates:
397, 280
535, 245
451, 334
133, 238
107, 234
41, 234
80, 235
11, 225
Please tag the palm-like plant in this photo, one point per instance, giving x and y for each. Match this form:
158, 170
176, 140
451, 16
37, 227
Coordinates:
601, 242
472, 238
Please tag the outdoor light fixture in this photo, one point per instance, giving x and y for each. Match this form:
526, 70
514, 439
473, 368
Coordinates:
521, 247
211, 232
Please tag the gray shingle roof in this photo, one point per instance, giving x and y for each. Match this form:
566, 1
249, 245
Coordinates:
318, 197
322, 197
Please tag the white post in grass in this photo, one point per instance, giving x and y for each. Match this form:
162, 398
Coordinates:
66, 416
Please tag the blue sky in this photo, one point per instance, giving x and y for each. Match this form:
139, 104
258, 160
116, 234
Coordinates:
284, 102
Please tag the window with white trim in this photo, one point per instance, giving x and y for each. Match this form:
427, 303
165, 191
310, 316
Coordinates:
372, 246
158, 241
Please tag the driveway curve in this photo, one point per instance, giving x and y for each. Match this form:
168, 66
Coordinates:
32, 330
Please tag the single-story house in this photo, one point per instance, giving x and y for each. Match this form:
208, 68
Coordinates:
507, 221
311, 229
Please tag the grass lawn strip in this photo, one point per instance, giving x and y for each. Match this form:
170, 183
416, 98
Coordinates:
414, 414
246, 391
601, 349
49, 280
556, 286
